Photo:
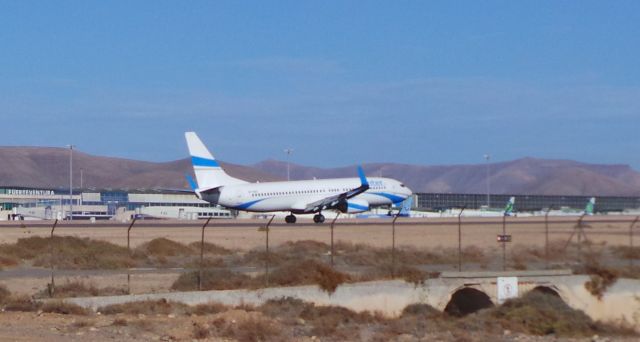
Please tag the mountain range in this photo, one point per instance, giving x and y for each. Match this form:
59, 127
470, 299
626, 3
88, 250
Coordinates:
48, 167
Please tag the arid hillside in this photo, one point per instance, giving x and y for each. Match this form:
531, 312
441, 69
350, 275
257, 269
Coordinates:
48, 167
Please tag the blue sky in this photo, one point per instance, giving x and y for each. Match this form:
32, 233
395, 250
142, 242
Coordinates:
341, 82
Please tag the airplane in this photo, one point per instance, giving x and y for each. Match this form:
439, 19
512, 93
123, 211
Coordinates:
508, 209
588, 209
347, 195
405, 208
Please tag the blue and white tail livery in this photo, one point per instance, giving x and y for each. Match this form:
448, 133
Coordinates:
347, 195
209, 174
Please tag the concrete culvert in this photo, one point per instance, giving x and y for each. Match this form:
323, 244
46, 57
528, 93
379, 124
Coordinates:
467, 300
546, 290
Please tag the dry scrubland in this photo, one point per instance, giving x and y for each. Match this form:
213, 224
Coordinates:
234, 257
531, 317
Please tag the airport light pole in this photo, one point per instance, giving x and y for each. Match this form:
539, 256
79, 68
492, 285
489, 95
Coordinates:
81, 185
487, 157
288, 151
71, 182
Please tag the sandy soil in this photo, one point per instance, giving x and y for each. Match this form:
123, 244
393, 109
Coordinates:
245, 234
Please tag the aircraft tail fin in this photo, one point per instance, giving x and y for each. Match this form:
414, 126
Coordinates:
508, 209
405, 210
209, 173
590, 205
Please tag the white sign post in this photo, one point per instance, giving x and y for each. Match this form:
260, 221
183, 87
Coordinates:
507, 288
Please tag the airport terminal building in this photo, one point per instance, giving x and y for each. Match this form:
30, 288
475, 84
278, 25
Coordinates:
31, 203
604, 204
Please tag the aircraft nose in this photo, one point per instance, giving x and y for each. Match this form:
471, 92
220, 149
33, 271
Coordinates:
408, 191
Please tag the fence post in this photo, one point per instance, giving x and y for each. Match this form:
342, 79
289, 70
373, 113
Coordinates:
52, 285
130, 255
460, 238
631, 241
267, 251
579, 226
393, 245
202, 254
332, 223
546, 237
504, 242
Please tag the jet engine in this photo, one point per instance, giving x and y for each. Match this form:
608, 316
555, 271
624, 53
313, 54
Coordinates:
353, 206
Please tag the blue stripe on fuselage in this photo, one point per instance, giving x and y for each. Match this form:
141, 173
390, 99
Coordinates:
393, 198
357, 206
246, 205
198, 161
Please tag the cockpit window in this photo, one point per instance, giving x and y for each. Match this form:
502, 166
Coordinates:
402, 185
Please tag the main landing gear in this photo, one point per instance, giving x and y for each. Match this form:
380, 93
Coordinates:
317, 218
290, 218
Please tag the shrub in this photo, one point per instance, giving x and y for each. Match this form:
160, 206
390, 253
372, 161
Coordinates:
63, 308
146, 307
163, 247
5, 294
80, 289
69, 252
307, 272
212, 279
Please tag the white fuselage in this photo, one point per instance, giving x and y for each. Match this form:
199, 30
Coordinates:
294, 196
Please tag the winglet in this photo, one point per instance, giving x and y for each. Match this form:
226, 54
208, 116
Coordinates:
363, 178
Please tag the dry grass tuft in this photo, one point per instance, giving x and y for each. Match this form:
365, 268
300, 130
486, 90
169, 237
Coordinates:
258, 257
60, 307
80, 289
210, 248
208, 309
410, 274
83, 323
307, 272
539, 313
120, 322
163, 247
69, 252
9, 302
601, 279
423, 310
21, 303
5, 294
625, 252
8, 261
200, 331
212, 279
147, 307
629, 272
248, 327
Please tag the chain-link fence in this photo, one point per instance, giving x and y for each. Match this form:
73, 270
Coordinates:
154, 256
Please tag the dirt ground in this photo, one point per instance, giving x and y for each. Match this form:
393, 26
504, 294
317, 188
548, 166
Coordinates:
528, 234
422, 233
244, 235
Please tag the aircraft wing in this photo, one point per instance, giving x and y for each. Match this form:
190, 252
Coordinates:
333, 201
